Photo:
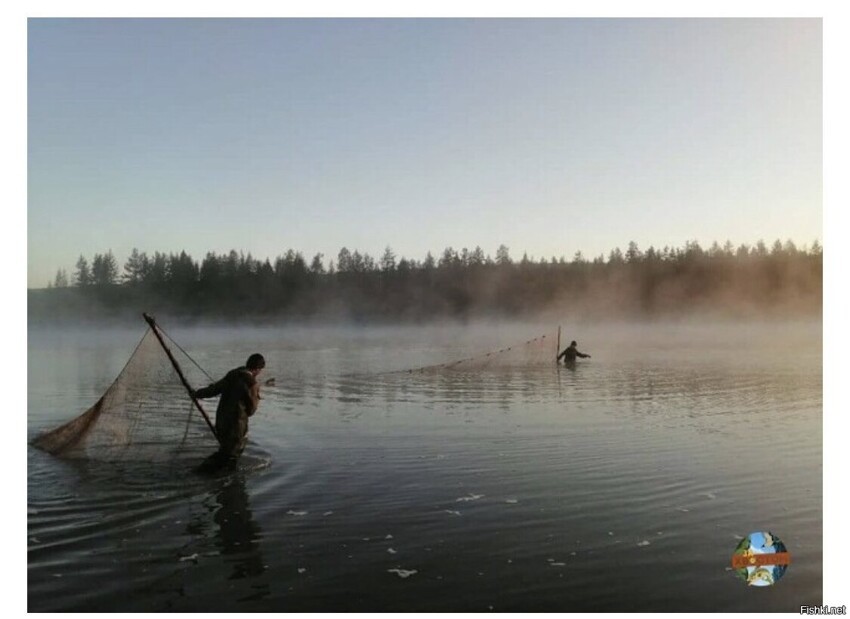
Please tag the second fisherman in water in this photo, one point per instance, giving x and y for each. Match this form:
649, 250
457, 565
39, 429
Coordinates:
570, 353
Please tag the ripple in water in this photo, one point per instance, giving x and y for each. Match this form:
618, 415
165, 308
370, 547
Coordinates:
512, 489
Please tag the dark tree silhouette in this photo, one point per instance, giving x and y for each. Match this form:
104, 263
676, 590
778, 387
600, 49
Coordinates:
61, 279
104, 270
460, 284
82, 276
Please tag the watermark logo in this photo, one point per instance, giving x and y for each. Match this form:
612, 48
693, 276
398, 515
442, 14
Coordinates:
761, 559
823, 610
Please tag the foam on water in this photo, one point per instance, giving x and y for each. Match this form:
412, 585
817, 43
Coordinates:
402, 573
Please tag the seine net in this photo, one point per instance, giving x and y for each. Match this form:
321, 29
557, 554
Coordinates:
145, 414
538, 351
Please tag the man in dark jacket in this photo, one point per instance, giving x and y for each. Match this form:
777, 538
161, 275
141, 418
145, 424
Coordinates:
240, 396
570, 353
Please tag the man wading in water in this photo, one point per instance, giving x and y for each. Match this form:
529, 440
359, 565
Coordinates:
240, 396
570, 353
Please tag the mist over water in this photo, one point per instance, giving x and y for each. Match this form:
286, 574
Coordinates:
624, 484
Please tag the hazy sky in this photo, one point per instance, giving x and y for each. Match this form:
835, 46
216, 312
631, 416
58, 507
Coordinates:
547, 135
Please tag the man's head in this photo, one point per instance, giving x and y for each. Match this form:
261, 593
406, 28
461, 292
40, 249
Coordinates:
573, 343
255, 363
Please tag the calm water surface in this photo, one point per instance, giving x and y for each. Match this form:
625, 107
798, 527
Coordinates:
623, 485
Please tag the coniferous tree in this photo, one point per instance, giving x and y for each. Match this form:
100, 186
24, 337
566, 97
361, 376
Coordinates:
615, 256
134, 268
82, 276
477, 257
429, 263
343, 261
61, 279
104, 269
388, 262
503, 255
316, 266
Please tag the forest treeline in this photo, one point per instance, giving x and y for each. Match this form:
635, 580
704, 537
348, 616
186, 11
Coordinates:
743, 280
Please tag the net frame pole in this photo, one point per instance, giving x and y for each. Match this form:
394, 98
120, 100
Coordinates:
558, 345
150, 320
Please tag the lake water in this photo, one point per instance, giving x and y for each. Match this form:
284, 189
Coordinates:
622, 485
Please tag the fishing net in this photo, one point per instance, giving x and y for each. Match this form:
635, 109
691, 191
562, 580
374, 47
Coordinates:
145, 414
538, 351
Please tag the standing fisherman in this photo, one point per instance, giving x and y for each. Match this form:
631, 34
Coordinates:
570, 353
240, 396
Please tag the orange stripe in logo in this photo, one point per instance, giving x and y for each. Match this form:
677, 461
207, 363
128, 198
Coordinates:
775, 558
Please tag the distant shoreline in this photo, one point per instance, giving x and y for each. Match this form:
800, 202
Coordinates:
744, 283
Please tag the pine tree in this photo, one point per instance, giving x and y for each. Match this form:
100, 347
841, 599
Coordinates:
82, 277
61, 280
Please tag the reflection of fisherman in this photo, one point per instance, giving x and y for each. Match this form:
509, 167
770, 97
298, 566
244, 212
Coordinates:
240, 395
238, 532
570, 353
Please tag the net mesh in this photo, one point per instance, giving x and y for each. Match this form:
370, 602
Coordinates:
538, 351
145, 414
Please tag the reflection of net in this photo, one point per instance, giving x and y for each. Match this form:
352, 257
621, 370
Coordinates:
145, 414
537, 351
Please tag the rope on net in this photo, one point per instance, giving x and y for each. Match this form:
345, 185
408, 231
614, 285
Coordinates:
537, 346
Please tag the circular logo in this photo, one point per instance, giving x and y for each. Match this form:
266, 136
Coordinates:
760, 559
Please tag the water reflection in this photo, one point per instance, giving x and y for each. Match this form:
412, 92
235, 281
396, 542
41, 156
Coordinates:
238, 533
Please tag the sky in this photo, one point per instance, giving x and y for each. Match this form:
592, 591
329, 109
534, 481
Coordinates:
547, 135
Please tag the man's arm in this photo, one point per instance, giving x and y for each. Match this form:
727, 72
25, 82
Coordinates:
563, 352
211, 391
582, 355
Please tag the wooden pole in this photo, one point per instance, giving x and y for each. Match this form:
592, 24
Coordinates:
152, 323
558, 345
